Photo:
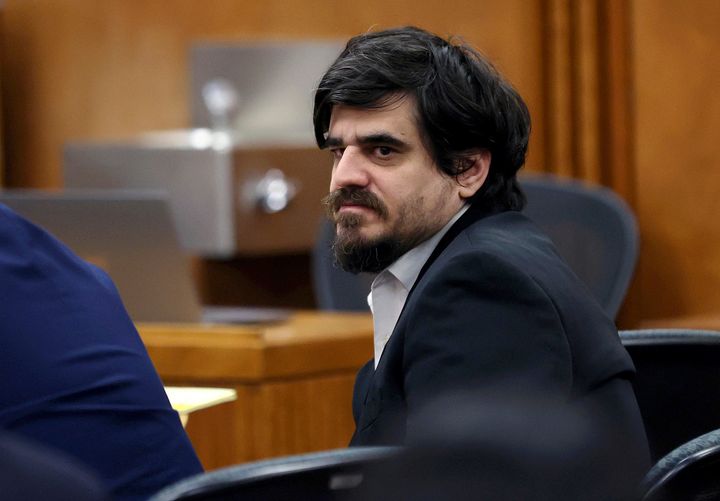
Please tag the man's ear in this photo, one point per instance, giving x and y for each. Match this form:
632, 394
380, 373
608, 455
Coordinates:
470, 181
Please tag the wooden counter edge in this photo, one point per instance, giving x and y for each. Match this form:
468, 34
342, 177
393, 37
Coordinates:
308, 343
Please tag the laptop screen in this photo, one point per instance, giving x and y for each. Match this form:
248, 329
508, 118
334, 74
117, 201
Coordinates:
130, 234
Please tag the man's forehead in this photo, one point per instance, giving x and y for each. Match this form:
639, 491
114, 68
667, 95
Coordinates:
397, 119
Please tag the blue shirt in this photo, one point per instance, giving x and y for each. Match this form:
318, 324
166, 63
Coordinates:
75, 374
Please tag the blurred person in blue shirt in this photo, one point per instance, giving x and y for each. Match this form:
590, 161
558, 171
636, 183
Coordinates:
76, 375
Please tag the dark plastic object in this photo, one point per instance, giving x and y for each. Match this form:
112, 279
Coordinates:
677, 384
689, 473
593, 230
329, 475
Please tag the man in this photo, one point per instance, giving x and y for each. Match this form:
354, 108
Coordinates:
426, 140
75, 375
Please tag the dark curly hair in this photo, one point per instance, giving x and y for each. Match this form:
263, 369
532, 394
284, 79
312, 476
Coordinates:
463, 104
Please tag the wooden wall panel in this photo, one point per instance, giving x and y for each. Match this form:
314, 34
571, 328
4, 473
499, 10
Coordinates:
89, 68
557, 87
586, 89
617, 90
677, 154
586, 97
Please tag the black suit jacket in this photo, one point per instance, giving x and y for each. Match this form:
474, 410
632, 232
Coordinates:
494, 308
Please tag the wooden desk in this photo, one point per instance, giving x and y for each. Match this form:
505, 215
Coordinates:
293, 380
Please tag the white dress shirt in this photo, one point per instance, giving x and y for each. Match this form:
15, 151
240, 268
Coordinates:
391, 287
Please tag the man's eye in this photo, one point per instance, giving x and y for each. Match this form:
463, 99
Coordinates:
384, 151
337, 153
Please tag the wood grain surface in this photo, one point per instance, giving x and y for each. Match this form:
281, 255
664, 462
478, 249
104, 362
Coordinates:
294, 382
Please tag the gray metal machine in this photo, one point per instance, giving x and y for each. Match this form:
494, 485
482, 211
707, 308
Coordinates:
246, 178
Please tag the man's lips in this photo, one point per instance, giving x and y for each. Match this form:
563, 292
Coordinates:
359, 214
354, 207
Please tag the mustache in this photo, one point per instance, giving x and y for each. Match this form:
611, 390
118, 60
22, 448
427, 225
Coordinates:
355, 196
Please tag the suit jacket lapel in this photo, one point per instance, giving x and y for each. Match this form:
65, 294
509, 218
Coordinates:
475, 212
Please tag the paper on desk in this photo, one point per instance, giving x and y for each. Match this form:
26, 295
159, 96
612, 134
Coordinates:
185, 399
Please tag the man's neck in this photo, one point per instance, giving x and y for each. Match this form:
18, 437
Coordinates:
407, 267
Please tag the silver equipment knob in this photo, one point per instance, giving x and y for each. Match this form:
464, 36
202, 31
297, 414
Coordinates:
221, 100
274, 191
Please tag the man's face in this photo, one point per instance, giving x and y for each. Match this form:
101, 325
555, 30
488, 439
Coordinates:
386, 193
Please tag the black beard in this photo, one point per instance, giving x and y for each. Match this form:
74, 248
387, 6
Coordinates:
356, 255
372, 257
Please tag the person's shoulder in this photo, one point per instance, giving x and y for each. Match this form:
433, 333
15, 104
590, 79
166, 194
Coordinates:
509, 251
506, 240
11, 223
29, 247
506, 232
20, 234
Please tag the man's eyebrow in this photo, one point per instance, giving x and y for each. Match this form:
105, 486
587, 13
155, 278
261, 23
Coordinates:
382, 138
333, 142
379, 138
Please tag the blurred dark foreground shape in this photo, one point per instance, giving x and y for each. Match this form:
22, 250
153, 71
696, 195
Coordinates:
29, 471
513, 448
463, 447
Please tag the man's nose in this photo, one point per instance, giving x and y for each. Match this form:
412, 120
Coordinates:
350, 170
